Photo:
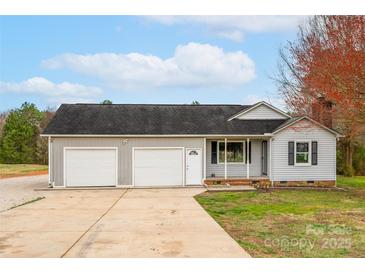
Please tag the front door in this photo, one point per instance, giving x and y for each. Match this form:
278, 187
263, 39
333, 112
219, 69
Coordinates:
193, 166
264, 158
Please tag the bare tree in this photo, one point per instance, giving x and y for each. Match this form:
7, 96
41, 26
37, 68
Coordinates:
326, 63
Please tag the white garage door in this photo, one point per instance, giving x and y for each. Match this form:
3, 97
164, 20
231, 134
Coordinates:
90, 167
158, 167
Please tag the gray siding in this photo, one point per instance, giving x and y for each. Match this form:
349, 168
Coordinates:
236, 170
304, 130
124, 152
126, 159
262, 112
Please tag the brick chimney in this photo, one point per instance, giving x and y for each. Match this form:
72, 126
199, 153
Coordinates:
322, 111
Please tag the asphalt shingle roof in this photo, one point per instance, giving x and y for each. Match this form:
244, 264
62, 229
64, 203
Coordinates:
130, 119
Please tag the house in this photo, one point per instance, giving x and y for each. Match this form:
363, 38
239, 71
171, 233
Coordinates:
136, 145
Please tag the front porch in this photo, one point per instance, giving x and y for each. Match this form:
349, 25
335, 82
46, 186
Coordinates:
237, 160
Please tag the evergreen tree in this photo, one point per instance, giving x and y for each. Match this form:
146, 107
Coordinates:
18, 142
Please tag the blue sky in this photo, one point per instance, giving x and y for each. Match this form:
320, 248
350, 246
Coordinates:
49, 60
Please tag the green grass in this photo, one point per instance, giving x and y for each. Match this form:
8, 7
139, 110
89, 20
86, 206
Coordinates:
294, 223
351, 182
12, 170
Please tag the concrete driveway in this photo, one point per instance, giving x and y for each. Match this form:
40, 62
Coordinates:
114, 223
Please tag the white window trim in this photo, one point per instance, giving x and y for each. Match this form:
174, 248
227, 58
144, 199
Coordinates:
309, 153
232, 163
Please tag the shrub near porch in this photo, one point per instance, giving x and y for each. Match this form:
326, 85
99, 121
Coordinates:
294, 223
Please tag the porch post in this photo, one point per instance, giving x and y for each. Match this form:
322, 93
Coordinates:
248, 159
225, 158
270, 163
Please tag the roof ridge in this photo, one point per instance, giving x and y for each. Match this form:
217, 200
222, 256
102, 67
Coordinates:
98, 104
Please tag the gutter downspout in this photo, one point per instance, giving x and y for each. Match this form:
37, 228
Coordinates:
49, 162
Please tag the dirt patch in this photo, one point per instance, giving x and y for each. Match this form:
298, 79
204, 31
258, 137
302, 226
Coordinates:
32, 173
173, 248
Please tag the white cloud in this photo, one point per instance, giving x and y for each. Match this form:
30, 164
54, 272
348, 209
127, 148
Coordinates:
55, 93
234, 35
192, 65
233, 27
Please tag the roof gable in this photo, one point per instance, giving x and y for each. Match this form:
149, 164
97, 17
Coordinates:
296, 120
260, 111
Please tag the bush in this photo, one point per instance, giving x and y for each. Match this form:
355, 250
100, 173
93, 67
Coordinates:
359, 159
348, 171
340, 160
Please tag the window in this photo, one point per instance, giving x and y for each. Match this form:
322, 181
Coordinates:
214, 152
302, 153
234, 152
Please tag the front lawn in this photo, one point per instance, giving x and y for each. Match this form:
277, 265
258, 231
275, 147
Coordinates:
351, 182
14, 170
294, 223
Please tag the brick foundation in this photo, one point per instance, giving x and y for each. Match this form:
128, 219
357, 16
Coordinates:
233, 182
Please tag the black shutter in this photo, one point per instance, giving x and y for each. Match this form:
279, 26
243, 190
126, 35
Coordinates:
214, 152
249, 151
291, 153
314, 153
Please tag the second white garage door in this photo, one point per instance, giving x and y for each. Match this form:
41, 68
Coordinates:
158, 166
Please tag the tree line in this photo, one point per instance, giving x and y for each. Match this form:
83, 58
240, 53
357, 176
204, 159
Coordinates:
20, 141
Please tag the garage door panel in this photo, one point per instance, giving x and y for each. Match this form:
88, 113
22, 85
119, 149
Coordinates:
167, 163
165, 157
157, 177
90, 167
158, 167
